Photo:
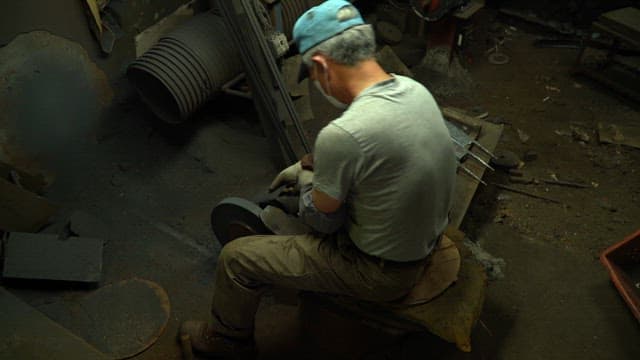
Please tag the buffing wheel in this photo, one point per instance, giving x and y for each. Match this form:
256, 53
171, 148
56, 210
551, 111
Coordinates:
235, 217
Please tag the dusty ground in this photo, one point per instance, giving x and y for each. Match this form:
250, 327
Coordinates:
555, 300
155, 186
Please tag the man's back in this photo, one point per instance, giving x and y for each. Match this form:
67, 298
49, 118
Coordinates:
390, 157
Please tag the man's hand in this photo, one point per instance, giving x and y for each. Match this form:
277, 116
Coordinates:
305, 177
286, 176
307, 162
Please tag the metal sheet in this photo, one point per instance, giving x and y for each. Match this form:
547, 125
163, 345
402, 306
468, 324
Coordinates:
51, 99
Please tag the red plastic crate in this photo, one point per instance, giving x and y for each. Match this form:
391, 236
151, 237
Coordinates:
622, 260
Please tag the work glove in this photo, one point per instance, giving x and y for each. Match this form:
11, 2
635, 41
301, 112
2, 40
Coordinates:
286, 176
305, 177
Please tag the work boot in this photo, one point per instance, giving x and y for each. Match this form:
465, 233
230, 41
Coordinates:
210, 343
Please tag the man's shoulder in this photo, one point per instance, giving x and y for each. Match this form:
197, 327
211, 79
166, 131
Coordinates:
336, 136
407, 80
334, 131
418, 88
401, 90
403, 82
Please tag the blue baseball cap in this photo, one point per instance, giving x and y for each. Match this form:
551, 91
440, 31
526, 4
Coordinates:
322, 22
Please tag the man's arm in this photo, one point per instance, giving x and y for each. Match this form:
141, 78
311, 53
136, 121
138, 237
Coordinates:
334, 163
319, 220
317, 209
321, 201
324, 202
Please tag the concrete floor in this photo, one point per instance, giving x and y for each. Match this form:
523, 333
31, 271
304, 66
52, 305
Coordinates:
155, 185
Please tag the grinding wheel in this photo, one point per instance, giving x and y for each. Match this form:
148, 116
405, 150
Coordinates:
235, 217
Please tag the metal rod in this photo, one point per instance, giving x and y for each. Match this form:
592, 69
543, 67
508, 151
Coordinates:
480, 160
522, 192
470, 173
227, 88
476, 157
567, 183
484, 149
237, 93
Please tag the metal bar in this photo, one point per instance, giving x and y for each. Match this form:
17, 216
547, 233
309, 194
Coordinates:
227, 88
237, 93
522, 192
476, 157
269, 88
470, 173
480, 160
567, 183
483, 149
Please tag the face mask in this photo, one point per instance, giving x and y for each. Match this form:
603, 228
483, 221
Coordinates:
333, 101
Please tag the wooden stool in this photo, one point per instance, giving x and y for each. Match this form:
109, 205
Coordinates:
451, 315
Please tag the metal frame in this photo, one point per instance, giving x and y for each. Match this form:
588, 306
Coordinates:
269, 91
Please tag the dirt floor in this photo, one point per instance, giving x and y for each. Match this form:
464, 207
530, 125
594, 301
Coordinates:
154, 185
555, 300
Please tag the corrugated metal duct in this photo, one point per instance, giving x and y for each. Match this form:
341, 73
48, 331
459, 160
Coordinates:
186, 68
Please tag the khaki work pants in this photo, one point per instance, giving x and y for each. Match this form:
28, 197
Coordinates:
250, 265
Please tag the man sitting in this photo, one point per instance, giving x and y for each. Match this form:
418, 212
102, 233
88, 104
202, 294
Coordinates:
377, 192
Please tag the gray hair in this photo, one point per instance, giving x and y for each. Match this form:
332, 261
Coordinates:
348, 48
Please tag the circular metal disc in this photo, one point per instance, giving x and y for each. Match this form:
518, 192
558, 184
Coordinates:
498, 58
235, 217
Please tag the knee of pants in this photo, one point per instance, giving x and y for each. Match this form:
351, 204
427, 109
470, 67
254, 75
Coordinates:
233, 256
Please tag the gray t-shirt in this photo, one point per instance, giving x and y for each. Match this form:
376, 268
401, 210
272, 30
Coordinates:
389, 157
